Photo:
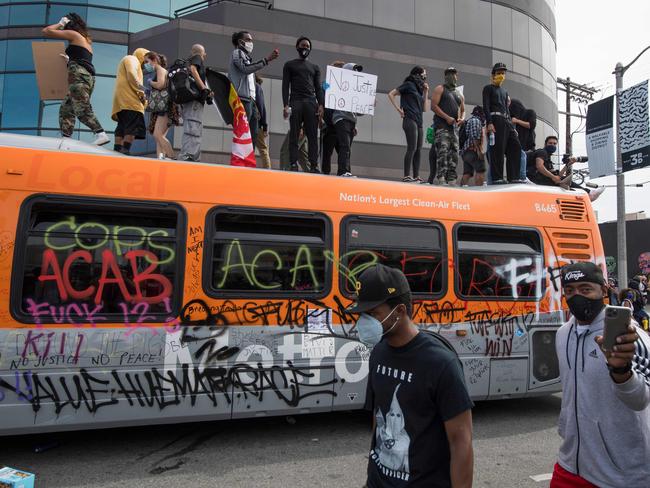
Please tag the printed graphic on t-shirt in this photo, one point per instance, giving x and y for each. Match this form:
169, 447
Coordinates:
392, 442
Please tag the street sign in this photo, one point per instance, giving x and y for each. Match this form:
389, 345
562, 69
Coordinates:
635, 127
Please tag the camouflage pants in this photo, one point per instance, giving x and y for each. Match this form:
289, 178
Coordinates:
447, 152
77, 102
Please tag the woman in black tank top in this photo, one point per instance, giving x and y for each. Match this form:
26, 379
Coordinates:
81, 76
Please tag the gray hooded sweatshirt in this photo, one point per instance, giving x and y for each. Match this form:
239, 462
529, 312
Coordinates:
605, 427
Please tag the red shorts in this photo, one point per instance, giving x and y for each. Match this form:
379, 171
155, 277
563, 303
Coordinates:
563, 479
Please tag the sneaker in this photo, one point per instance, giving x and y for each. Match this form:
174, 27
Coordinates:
293, 167
407, 179
499, 182
314, 169
348, 175
101, 138
418, 180
594, 194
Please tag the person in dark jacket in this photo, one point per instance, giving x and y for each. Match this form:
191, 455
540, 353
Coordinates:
501, 130
263, 132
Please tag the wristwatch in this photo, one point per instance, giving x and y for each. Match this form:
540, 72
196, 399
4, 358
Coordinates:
625, 369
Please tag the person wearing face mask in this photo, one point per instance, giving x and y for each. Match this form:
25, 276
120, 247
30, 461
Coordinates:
449, 107
540, 170
506, 141
241, 73
422, 428
413, 101
604, 420
129, 101
302, 98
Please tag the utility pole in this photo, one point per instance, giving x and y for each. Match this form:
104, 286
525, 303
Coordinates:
578, 93
621, 235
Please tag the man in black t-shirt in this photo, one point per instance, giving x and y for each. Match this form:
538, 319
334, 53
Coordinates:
422, 433
540, 168
302, 96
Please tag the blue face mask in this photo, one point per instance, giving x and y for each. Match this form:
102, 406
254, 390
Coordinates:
148, 68
550, 149
370, 329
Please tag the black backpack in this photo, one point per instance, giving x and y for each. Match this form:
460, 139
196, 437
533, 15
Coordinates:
182, 87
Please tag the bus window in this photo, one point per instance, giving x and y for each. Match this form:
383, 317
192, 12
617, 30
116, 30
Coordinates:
90, 262
255, 252
414, 247
498, 263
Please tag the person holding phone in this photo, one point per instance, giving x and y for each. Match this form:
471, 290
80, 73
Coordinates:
604, 363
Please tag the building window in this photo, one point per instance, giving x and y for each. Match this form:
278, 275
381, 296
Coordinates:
20, 103
27, 15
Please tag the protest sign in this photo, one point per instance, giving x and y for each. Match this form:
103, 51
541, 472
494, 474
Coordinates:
51, 69
350, 91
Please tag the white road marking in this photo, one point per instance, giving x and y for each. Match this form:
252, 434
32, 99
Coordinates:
542, 477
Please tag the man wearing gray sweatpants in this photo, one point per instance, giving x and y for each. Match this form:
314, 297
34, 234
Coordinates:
605, 418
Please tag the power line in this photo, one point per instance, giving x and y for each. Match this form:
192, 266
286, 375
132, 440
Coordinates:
579, 93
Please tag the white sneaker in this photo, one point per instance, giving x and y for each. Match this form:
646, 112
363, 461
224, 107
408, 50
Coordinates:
101, 138
594, 194
348, 175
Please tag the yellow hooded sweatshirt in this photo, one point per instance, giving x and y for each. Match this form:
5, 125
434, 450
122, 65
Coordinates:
129, 93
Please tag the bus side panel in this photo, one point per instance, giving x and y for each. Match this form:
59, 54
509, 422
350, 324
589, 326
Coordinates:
58, 379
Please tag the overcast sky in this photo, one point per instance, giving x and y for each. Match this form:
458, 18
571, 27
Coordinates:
592, 36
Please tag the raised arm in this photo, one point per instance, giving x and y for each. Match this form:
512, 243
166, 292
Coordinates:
55, 31
247, 69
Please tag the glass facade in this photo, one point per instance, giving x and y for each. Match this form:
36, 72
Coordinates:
21, 109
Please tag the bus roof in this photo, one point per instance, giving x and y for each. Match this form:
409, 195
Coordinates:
133, 177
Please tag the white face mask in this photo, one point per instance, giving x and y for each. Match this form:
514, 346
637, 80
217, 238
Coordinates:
248, 46
371, 330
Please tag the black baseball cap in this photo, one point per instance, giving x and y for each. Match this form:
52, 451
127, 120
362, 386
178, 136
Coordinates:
377, 285
499, 66
581, 271
451, 69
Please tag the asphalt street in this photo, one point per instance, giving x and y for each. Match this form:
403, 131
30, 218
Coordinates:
513, 440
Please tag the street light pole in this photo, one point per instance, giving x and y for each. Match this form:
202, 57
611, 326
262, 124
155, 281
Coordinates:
621, 237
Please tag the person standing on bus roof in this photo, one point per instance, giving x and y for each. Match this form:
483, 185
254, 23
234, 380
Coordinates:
129, 100
605, 420
241, 72
506, 141
413, 101
449, 107
416, 392
302, 98
81, 76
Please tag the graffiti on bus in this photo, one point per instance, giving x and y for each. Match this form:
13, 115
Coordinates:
162, 389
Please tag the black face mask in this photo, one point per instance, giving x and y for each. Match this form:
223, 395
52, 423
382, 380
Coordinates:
303, 52
585, 309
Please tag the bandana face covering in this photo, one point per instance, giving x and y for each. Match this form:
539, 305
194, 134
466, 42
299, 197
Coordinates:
450, 80
498, 79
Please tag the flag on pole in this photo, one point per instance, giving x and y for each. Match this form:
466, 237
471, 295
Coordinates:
233, 113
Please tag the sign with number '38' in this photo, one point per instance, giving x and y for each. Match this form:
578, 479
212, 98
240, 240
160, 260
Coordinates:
635, 127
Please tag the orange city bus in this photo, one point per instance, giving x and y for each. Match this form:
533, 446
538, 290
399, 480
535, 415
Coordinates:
139, 291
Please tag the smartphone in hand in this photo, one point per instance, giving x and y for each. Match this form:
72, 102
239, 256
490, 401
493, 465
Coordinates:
617, 320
